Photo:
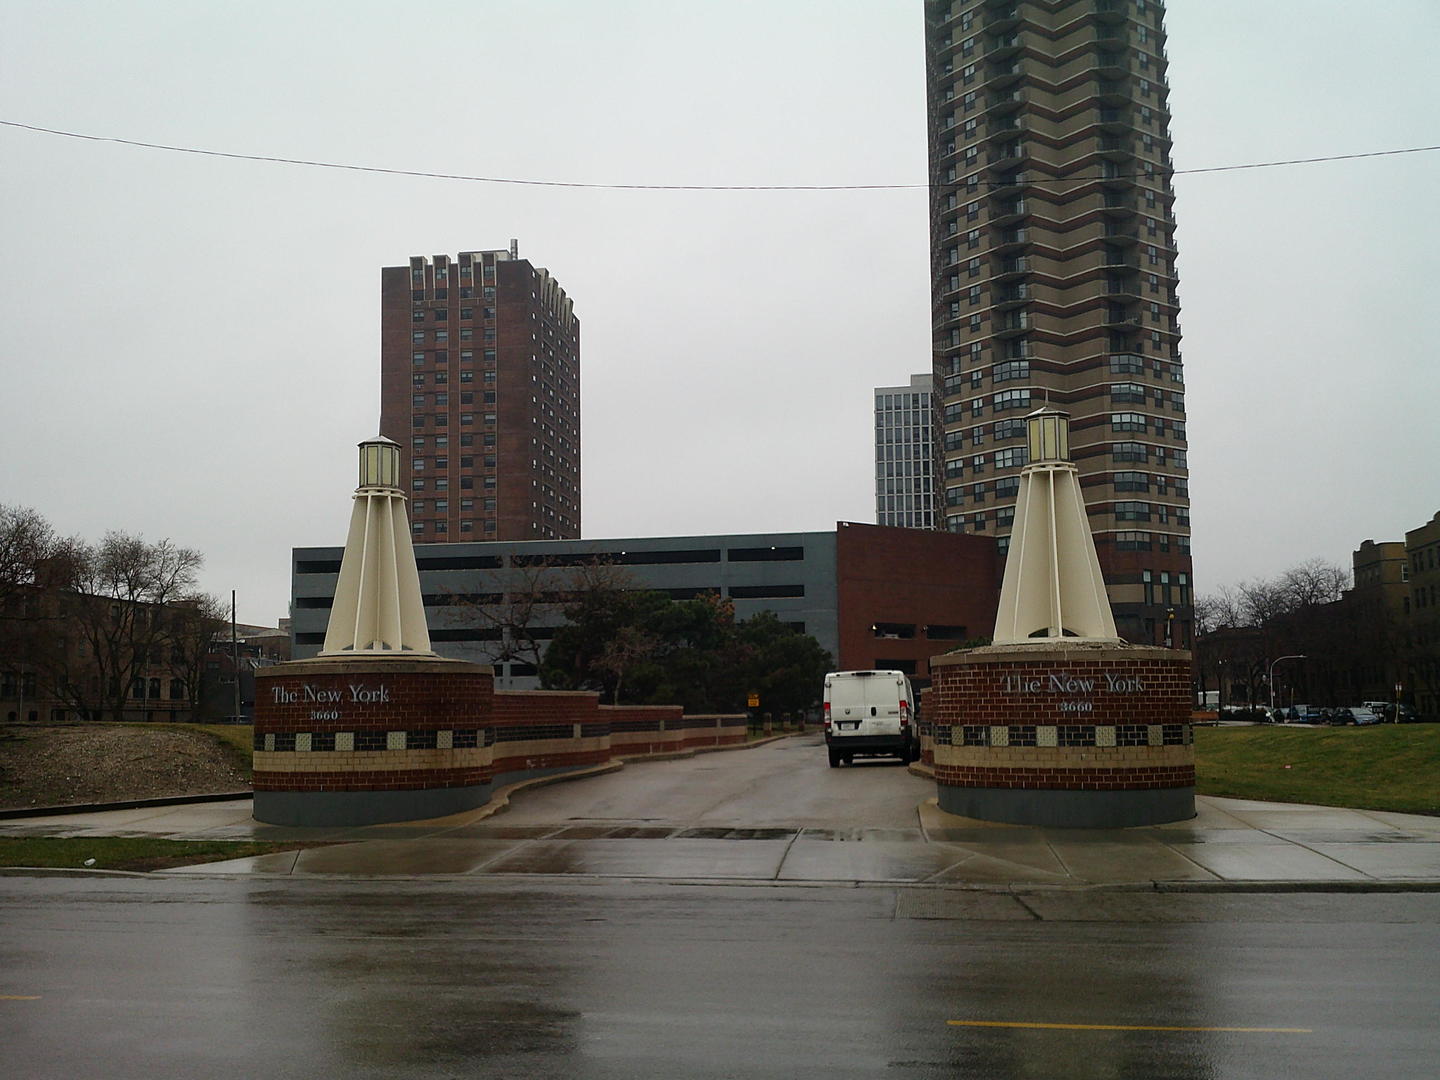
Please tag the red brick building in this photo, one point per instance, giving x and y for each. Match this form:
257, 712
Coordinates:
905, 595
480, 386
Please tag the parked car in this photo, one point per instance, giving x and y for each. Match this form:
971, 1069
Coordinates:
1357, 715
1407, 714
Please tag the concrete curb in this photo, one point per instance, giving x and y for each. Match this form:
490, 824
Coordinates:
1017, 889
230, 796
127, 804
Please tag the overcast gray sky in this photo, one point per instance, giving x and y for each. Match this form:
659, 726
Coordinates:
191, 344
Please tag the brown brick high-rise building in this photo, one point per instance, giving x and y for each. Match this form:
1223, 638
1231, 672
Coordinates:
1053, 278
480, 385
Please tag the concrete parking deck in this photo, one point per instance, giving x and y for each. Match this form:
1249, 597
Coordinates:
1230, 843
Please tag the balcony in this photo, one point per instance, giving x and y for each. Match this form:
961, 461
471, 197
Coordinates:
1116, 175
1006, 45
1007, 156
1012, 268
1111, 65
1113, 119
1010, 186
1116, 145
1112, 34
1012, 294
1003, 74
1005, 127
1004, 19
1112, 92
1118, 205
999, 104
1009, 238
1009, 212
1126, 286
1016, 322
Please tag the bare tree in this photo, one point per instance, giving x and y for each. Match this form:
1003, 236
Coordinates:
539, 589
26, 540
629, 646
1313, 583
191, 627
117, 614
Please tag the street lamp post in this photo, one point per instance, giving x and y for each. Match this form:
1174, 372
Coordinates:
1270, 676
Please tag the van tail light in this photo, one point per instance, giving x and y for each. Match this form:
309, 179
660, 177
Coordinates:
904, 714
826, 708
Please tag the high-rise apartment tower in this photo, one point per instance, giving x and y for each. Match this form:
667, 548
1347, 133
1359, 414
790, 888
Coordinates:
1053, 279
480, 385
904, 455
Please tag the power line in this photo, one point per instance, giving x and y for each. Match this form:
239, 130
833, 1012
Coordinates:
676, 187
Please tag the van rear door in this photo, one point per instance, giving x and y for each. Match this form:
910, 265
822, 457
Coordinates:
862, 703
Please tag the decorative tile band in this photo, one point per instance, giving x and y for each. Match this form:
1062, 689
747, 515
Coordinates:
1063, 735
365, 741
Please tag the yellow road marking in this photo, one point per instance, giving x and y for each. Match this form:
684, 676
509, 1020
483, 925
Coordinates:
1117, 1027
19, 997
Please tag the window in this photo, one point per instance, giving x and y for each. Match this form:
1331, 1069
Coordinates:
442, 336
1011, 399
1012, 458
1132, 481
1132, 541
1128, 422
1011, 369
1132, 511
1132, 393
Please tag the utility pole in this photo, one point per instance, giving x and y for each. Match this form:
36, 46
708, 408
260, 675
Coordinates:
235, 656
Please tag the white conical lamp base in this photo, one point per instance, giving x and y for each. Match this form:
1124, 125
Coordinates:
378, 608
1053, 587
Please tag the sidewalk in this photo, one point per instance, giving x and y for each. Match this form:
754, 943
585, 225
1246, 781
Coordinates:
1231, 843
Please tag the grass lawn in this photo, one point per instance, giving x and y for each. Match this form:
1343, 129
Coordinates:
1387, 767
126, 852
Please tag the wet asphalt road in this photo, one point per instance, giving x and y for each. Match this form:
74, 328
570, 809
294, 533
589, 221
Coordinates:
133, 977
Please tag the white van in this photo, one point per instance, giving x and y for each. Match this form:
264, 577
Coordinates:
869, 713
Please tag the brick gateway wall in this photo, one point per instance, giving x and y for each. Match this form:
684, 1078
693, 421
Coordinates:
364, 741
1083, 735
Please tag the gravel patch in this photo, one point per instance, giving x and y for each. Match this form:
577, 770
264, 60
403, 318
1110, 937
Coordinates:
59, 765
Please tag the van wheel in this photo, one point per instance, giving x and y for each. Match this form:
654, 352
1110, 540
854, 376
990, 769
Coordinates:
834, 759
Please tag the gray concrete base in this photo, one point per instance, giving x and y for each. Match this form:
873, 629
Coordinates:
328, 808
1066, 809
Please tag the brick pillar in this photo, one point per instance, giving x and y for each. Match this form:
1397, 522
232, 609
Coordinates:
371, 739
1084, 734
